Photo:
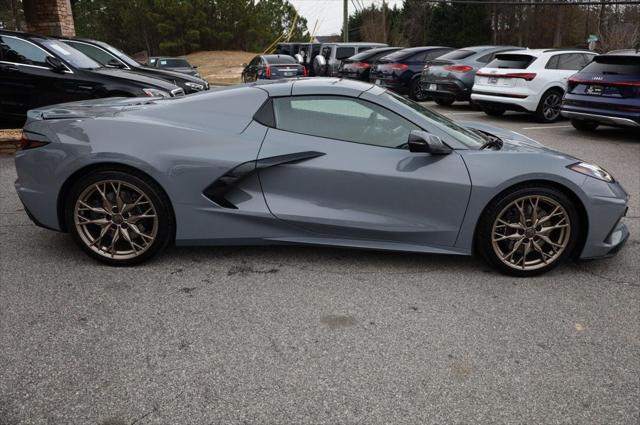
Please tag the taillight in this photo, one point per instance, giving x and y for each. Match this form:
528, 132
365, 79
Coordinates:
399, 66
30, 143
632, 83
267, 72
360, 65
458, 68
305, 71
527, 76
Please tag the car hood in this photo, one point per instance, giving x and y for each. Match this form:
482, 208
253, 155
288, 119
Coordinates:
135, 76
515, 142
183, 70
165, 74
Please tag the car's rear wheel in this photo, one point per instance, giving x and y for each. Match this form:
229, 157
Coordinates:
528, 231
492, 110
119, 218
444, 101
416, 93
584, 125
549, 107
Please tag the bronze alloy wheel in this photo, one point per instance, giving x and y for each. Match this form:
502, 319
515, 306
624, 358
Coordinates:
115, 219
531, 232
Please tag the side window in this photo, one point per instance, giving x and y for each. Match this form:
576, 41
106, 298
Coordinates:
19, 51
436, 54
345, 52
93, 52
254, 61
570, 61
587, 59
553, 62
486, 58
342, 118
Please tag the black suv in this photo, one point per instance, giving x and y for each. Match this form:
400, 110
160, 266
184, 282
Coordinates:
36, 71
110, 57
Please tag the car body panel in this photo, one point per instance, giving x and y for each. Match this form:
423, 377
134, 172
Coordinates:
337, 193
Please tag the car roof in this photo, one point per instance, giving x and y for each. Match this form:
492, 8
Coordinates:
22, 34
541, 52
315, 86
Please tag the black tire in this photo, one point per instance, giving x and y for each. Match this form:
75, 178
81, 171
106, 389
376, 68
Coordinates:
584, 125
416, 93
165, 225
549, 107
494, 111
444, 101
484, 231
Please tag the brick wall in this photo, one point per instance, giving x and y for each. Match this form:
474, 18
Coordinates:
49, 17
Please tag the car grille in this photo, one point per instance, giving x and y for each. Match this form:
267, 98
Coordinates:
177, 92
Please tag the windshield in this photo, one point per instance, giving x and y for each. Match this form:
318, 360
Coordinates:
463, 135
457, 54
614, 65
71, 55
173, 63
119, 54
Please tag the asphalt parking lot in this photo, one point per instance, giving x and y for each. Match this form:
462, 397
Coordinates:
263, 335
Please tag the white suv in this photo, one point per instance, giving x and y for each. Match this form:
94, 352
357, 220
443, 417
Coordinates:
529, 80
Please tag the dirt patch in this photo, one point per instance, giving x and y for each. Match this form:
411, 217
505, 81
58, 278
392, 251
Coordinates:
9, 140
220, 66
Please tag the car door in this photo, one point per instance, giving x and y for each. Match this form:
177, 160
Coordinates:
20, 64
332, 167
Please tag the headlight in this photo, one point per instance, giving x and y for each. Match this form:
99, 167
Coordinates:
194, 86
156, 93
591, 170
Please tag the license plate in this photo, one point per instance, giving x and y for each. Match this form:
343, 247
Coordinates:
289, 74
493, 80
595, 90
433, 87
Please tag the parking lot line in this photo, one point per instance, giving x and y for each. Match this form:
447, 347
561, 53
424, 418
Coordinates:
544, 127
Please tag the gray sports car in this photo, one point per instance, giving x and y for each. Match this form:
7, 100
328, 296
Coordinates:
309, 161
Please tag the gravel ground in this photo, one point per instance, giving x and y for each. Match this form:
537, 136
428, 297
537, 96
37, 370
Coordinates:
320, 336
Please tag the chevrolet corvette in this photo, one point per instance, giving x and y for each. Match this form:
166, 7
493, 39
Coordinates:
321, 161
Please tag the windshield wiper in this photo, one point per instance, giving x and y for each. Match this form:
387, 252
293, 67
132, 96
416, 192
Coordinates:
491, 141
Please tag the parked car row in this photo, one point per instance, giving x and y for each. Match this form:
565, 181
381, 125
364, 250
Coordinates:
37, 71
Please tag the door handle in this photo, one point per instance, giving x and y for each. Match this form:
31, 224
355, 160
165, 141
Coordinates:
217, 190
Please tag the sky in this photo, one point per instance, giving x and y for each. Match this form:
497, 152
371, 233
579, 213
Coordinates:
329, 12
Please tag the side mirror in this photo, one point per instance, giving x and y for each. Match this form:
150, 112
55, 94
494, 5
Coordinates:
421, 141
55, 64
114, 63
194, 66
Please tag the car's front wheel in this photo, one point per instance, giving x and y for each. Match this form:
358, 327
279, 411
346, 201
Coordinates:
528, 231
584, 125
118, 217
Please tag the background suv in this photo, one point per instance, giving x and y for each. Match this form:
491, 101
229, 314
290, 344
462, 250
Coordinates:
400, 71
331, 55
357, 67
38, 71
607, 91
532, 81
109, 56
449, 78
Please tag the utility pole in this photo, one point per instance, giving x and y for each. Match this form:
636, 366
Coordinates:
345, 22
384, 21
